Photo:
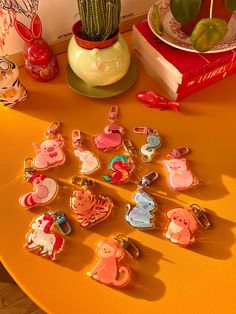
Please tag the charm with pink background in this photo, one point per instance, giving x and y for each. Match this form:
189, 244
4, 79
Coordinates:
49, 153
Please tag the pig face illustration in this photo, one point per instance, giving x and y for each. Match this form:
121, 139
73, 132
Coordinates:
49, 154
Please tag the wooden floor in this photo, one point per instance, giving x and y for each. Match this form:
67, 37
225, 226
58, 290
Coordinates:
12, 299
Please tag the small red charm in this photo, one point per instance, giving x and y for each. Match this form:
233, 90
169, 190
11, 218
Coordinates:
154, 100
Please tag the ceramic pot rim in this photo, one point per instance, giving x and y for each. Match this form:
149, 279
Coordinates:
89, 44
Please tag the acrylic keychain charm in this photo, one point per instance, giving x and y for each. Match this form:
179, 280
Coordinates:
180, 176
42, 237
153, 142
49, 153
89, 163
141, 216
90, 208
45, 189
111, 138
122, 165
184, 222
108, 269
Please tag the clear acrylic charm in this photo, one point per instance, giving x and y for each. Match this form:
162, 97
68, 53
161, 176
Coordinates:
180, 177
43, 239
111, 138
122, 166
44, 189
141, 216
153, 140
90, 208
49, 153
89, 162
108, 270
184, 223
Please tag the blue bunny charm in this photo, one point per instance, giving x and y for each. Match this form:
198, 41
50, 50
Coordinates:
141, 216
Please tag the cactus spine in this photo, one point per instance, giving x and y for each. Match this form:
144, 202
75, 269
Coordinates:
100, 18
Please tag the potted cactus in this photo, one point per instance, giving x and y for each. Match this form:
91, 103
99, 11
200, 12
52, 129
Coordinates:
97, 53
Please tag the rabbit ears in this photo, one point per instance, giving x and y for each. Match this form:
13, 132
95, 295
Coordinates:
34, 32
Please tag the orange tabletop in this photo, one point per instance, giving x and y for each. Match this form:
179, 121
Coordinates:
167, 278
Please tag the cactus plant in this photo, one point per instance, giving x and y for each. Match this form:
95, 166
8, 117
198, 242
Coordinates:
100, 18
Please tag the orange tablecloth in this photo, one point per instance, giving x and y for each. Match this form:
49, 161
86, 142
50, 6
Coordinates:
168, 279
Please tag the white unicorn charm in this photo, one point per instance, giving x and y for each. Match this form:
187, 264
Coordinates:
42, 238
11, 89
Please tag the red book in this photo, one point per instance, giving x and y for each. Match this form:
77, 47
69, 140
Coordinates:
178, 69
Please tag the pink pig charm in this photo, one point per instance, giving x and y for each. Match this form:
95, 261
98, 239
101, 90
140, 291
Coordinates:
180, 177
45, 190
49, 154
110, 139
182, 225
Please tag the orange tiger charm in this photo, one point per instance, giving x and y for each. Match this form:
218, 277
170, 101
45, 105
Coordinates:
90, 208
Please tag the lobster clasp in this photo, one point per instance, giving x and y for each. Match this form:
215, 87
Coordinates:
129, 147
129, 247
61, 221
112, 116
178, 152
54, 127
148, 179
82, 181
28, 168
76, 138
201, 216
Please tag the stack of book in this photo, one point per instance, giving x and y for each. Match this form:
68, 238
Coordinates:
180, 73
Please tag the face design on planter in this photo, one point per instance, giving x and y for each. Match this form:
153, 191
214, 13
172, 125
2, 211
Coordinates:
99, 67
108, 60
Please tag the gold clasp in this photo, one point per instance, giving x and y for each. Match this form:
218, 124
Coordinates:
129, 147
129, 247
28, 168
201, 216
82, 181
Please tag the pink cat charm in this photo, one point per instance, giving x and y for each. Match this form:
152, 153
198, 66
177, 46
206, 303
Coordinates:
182, 225
180, 177
111, 139
45, 190
49, 153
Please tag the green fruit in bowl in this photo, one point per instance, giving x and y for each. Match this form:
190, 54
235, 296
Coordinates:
190, 13
207, 33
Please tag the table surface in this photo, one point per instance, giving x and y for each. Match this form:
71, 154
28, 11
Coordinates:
168, 278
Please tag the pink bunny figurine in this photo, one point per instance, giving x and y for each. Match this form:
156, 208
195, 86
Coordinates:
40, 62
